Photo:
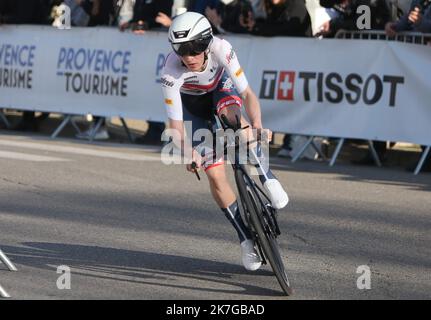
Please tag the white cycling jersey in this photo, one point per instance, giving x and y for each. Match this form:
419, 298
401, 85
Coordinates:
177, 79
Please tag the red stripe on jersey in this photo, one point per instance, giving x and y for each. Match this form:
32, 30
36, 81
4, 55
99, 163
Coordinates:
207, 86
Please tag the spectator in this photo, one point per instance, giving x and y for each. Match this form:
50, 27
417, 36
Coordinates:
79, 17
264, 18
347, 15
145, 13
124, 12
230, 16
284, 18
418, 19
101, 12
201, 5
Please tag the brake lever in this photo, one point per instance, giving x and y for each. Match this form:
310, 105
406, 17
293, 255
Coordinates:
194, 165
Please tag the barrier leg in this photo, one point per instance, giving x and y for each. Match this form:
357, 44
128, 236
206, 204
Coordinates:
3, 293
303, 148
126, 128
422, 160
336, 152
72, 121
66, 120
4, 119
7, 262
374, 153
96, 128
318, 150
11, 267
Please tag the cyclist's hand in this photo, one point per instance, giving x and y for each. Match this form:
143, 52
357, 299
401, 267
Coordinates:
264, 135
198, 160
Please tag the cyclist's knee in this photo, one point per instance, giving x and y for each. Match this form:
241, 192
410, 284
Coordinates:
216, 172
230, 107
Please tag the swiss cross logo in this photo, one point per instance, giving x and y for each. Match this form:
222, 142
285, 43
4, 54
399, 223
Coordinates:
280, 83
286, 80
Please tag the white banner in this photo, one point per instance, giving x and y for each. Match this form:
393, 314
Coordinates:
363, 89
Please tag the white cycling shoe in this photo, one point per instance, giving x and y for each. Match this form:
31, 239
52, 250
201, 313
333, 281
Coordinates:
278, 196
250, 258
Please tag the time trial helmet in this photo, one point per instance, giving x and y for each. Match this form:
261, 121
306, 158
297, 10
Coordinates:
190, 34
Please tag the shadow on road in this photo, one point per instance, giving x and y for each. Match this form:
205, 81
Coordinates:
137, 267
367, 174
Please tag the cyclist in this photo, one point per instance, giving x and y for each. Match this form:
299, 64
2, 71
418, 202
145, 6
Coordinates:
202, 76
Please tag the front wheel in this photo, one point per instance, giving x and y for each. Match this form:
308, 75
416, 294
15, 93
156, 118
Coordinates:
259, 220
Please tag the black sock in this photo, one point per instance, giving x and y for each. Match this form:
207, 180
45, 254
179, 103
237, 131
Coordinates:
233, 215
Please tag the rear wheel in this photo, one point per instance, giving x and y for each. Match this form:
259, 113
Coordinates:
260, 220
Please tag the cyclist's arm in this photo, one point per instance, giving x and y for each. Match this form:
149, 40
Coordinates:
252, 107
229, 60
180, 141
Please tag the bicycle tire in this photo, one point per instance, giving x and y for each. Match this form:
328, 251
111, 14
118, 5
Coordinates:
267, 240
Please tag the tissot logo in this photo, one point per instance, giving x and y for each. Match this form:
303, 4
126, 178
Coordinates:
331, 87
286, 80
281, 83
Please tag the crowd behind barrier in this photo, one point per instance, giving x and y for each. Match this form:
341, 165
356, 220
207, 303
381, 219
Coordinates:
292, 18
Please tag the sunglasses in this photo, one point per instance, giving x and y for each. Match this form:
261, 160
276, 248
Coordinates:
191, 48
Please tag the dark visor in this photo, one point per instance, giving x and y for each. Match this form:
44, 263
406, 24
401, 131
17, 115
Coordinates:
191, 48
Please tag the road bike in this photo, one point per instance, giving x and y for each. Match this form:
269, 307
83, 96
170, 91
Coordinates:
257, 210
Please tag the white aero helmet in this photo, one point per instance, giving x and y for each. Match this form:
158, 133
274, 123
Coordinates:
190, 34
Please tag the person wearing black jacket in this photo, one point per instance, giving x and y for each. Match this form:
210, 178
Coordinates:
284, 18
348, 16
25, 11
145, 13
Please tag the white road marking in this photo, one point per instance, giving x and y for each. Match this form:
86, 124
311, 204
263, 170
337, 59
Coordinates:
80, 151
28, 157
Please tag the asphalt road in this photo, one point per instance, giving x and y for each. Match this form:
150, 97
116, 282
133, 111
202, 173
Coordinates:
130, 227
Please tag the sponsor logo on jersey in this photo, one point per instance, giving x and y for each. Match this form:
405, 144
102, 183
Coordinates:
227, 85
191, 82
189, 78
239, 72
169, 102
230, 56
166, 82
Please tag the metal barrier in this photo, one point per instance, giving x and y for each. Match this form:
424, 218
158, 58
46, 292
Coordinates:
11, 267
407, 37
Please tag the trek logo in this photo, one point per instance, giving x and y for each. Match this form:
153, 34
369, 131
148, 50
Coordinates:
331, 87
285, 85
